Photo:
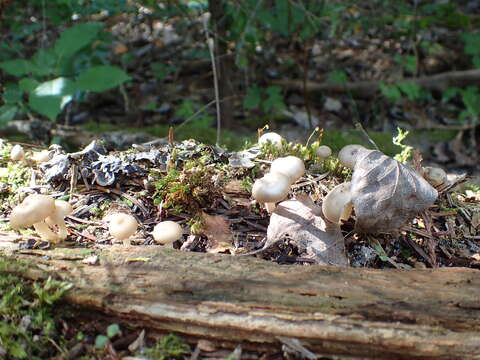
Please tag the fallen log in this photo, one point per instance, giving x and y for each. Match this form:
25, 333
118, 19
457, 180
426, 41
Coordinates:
349, 312
365, 89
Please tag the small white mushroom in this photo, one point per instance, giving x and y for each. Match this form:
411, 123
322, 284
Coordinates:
33, 210
270, 189
290, 166
121, 226
323, 152
272, 138
435, 176
57, 219
337, 205
348, 155
167, 232
41, 156
17, 153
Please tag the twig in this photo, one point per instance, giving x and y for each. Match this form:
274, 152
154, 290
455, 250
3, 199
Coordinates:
211, 48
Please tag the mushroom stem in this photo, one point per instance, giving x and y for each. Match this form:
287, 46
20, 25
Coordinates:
270, 207
45, 232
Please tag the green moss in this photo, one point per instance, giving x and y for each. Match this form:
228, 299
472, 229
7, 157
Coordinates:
170, 347
28, 314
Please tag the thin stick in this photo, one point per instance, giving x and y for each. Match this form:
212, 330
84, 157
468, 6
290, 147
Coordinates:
211, 48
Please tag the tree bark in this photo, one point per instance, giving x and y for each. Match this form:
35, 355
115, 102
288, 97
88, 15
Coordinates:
365, 89
364, 313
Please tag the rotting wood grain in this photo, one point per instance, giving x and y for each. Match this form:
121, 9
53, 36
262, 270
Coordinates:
367, 313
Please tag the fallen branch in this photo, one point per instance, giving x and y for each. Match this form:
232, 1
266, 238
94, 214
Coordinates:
381, 314
438, 82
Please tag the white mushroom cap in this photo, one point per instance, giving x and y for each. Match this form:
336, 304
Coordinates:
348, 155
273, 187
290, 166
337, 205
167, 232
17, 153
323, 151
42, 156
271, 137
121, 226
57, 219
33, 209
435, 176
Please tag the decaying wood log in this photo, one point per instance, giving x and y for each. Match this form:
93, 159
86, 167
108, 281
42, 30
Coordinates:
358, 313
364, 89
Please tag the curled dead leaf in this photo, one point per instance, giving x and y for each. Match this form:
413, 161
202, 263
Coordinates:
302, 222
217, 230
386, 193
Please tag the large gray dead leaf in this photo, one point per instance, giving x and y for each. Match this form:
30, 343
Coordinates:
386, 193
301, 221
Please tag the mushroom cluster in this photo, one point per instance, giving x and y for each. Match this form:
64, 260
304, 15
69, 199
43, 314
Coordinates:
45, 214
275, 185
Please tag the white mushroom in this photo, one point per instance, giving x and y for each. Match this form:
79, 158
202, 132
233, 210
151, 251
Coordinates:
42, 156
290, 166
121, 226
348, 155
57, 219
33, 210
17, 153
337, 205
270, 189
272, 138
167, 232
323, 151
435, 176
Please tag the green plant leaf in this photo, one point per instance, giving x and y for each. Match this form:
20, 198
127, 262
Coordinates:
50, 97
101, 341
44, 62
391, 92
411, 89
7, 113
101, 78
12, 94
253, 98
27, 84
113, 330
77, 37
274, 99
16, 67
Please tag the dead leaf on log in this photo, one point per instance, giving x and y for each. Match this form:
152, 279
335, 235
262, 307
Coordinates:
387, 193
217, 229
302, 222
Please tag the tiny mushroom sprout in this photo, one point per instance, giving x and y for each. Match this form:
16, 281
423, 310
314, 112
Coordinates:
435, 176
348, 155
272, 138
337, 205
323, 152
121, 226
33, 210
290, 166
17, 153
167, 232
57, 218
270, 189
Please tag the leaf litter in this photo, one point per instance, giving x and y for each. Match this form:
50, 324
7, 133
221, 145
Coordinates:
211, 200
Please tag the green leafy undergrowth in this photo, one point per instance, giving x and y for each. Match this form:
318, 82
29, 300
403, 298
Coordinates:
170, 347
28, 316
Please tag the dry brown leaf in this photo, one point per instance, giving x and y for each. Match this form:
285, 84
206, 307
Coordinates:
217, 229
386, 193
302, 222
